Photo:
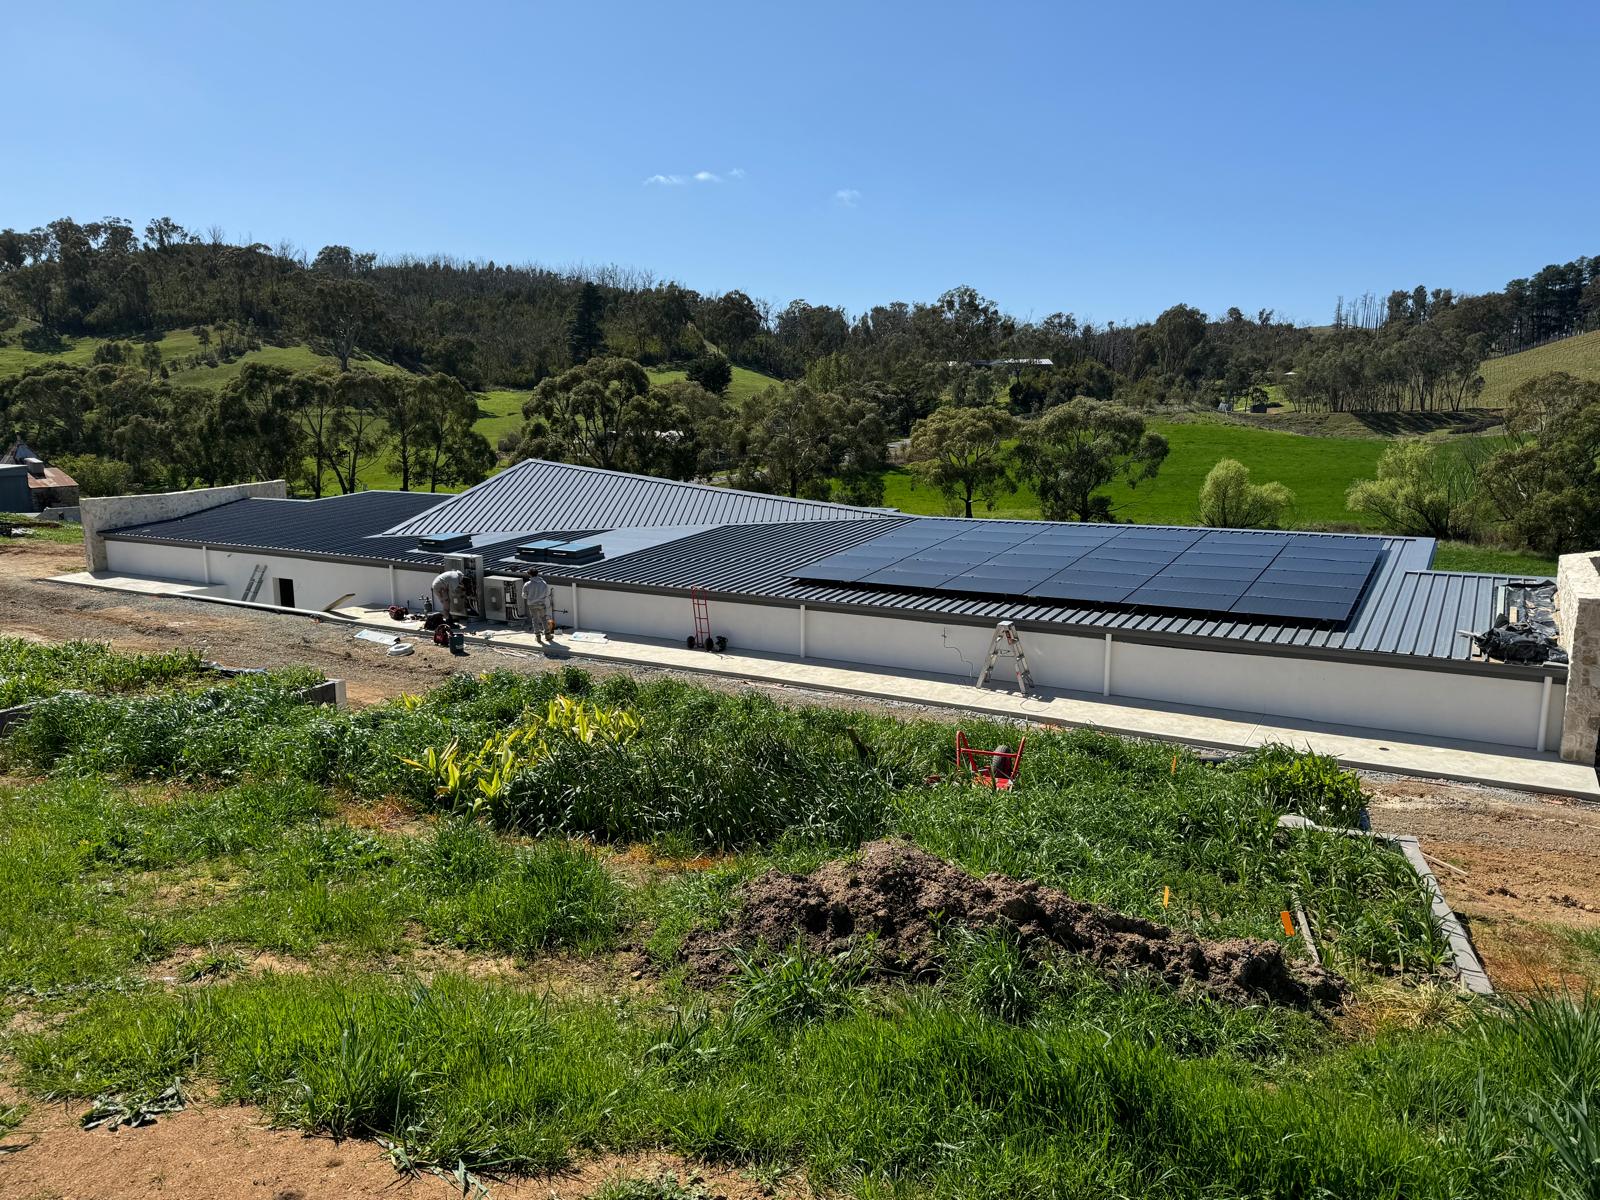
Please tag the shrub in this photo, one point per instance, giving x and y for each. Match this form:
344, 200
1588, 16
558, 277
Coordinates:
1228, 500
1313, 785
1422, 489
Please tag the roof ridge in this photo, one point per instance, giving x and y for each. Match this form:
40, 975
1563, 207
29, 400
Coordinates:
684, 483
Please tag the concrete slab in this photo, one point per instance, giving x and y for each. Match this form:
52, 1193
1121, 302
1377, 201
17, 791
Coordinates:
1468, 762
143, 584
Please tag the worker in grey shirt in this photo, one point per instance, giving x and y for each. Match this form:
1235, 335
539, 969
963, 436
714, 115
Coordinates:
446, 587
536, 604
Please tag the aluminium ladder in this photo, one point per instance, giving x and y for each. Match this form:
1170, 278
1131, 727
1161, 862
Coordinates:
253, 588
1006, 642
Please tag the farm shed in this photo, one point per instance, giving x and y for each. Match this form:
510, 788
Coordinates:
1347, 630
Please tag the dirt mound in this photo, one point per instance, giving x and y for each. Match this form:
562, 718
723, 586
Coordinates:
903, 896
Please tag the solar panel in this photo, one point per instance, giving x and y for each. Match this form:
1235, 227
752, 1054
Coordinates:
1290, 576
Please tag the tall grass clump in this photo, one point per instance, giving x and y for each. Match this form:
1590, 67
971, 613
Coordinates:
1311, 785
221, 732
29, 670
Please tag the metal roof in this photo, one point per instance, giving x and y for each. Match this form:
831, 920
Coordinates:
536, 495
1406, 608
335, 526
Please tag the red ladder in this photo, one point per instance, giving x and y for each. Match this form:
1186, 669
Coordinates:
702, 620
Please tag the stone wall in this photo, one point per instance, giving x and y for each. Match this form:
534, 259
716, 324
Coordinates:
100, 513
1578, 622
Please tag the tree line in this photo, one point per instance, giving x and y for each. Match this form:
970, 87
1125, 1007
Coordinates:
119, 428
488, 324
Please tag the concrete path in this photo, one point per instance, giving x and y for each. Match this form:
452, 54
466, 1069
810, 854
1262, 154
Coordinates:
1471, 762
1432, 758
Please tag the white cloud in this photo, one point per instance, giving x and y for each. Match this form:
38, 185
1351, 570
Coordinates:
847, 197
675, 180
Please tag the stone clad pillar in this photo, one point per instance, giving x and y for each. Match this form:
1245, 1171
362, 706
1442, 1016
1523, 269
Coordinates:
1578, 622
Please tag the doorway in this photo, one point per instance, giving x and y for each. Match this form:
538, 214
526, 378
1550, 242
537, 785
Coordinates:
285, 592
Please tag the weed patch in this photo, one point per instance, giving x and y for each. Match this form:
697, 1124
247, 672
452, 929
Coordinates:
30, 670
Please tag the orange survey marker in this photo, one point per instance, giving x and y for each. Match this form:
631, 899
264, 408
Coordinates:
1166, 897
1288, 923
1174, 764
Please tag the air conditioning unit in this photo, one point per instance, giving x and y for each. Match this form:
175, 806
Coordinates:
502, 599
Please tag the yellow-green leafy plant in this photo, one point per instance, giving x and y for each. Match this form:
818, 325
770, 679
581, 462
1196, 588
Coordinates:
477, 780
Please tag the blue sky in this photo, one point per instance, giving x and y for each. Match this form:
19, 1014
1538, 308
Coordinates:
1108, 160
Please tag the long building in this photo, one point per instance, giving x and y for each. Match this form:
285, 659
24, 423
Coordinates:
1350, 630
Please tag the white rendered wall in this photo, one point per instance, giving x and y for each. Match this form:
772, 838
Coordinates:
1371, 696
1443, 703
181, 563
317, 583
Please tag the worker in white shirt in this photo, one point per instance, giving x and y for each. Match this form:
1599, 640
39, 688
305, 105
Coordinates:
447, 587
536, 605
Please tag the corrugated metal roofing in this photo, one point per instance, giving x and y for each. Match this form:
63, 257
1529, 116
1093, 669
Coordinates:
339, 526
1406, 609
538, 495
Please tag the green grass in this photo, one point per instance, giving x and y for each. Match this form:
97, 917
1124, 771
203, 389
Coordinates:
178, 345
30, 670
1319, 470
129, 911
1463, 556
918, 1095
64, 533
746, 383
798, 779
1578, 356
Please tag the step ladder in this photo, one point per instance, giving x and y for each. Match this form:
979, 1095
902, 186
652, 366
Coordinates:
257, 578
1006, 642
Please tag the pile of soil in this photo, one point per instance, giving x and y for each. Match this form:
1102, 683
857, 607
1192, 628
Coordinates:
903, 896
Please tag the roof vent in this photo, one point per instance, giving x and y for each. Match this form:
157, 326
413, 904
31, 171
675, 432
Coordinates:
558, 550
440, 542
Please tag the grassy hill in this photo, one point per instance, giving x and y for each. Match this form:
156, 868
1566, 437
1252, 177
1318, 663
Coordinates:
745, 383
179, 346
1578, 356
1319, 470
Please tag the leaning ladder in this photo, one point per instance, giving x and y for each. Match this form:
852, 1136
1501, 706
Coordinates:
253, 588
702, 619
1006, 642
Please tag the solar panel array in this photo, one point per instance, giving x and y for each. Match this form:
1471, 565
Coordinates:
1284, 575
